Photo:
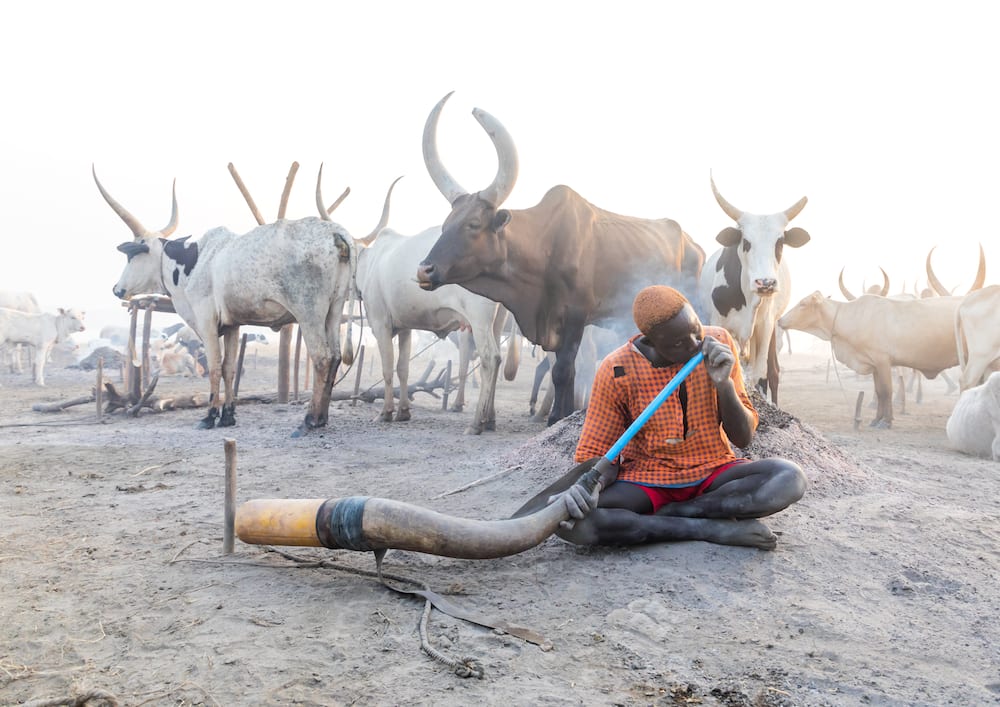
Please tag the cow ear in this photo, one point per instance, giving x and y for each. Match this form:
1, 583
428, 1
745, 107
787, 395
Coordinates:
729, 236
500, 219
796, 237
133, 248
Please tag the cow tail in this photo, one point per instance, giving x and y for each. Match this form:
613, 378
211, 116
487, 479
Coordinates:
347, 348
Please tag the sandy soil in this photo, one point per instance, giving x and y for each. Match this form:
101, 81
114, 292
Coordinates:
884, 588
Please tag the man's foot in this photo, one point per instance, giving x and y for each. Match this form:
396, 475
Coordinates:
746, 533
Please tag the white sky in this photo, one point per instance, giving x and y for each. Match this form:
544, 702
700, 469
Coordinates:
883, 113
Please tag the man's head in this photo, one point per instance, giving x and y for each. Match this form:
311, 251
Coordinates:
668, 322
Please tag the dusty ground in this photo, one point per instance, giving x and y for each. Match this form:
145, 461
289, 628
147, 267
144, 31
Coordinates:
884, 589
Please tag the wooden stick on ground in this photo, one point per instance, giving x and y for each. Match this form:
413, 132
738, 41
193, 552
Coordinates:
228, 529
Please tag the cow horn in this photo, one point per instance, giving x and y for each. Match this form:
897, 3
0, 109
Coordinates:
172, 226
367, 240
324, 210
507, 169
796, 208
368, 523
445, 183
138, 230
932, 278
885, 287
843, 289
981, 273
731, 211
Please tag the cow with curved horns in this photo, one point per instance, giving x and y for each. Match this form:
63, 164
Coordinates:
395, 306
279, 273
872, 334
557, 266
747, 284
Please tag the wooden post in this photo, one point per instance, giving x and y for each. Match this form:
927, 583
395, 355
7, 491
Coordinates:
134, 386
447, 385
147, 327
239, 366
99, 388
229, 519
360, 362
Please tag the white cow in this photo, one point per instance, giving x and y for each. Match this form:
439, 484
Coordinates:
746, 285
977, 335
396, 305
41, 331
974, 424
22, 302
280, 273
873, 334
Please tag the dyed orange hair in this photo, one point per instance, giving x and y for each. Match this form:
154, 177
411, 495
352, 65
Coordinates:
656, 304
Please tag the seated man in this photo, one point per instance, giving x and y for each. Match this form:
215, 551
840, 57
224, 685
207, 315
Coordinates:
678, 478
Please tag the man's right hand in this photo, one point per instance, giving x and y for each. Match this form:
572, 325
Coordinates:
578, 503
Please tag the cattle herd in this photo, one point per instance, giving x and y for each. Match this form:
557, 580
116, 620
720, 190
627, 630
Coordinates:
555, 272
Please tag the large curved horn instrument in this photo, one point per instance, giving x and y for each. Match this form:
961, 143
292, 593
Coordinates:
368, 523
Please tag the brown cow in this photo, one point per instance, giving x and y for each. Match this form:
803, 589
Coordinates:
557, 266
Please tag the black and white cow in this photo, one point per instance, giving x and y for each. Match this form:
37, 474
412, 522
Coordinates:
746, 284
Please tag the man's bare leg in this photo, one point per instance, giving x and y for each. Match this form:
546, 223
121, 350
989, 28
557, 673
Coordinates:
751, 490
619, 526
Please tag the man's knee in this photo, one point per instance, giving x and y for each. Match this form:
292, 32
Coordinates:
789, 478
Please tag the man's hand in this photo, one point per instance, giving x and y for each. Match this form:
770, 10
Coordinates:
719, 360
578, 503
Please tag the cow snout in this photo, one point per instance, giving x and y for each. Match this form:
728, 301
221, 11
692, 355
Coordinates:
427, 277
766, 285
119, 292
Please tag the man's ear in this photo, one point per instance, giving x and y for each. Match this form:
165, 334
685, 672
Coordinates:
501, 219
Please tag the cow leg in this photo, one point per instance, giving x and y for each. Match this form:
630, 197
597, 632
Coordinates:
486, 340
213, 353
773, 369
231, 340
466, 346
403, 374
540, 371
564, 372
383, 335
41, 353
883, 394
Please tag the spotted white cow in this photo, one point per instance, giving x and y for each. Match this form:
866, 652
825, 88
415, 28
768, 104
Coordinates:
974, 424
41, 331
277, 274
746, 284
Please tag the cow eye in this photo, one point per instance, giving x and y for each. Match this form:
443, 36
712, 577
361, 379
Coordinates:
746, 246
778, 246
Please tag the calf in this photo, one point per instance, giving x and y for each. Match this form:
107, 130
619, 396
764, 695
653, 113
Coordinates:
41, 331
974, 424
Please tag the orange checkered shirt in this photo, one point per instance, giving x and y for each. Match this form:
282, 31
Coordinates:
660, 454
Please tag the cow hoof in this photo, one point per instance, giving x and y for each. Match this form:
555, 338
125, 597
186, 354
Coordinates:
402, 415
881, 424
385, 417
490, 426
457, 407
208, 422
473, 430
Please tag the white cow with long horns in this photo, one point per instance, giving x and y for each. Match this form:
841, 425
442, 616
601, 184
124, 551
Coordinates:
278, 273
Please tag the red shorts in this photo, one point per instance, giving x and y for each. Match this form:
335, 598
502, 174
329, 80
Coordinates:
660, 496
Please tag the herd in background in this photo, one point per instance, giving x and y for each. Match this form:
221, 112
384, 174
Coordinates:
560, 268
